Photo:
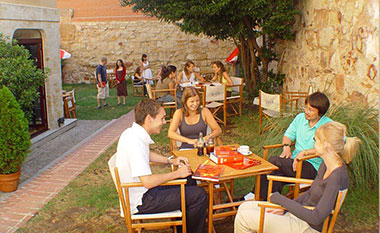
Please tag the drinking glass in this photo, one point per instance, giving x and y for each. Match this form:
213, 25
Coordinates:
210, 145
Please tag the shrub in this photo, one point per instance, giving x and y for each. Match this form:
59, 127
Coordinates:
14, 135
19, 74
362, 122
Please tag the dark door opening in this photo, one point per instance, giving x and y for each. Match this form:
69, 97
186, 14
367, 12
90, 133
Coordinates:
38, 123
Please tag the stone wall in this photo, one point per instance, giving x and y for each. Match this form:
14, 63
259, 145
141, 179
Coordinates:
163, 43
336, 50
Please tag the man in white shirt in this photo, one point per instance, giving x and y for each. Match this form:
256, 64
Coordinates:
132, 159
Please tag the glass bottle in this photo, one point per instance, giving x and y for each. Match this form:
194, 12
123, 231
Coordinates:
200, 145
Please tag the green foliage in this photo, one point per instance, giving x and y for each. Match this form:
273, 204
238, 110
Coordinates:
19, 74
361, 122
254, 25
14, 135
273, 85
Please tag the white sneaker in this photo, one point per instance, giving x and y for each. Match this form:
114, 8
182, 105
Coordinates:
249, 196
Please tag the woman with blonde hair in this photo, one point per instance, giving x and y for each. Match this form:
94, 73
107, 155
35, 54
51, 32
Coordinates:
332, 145
192, 119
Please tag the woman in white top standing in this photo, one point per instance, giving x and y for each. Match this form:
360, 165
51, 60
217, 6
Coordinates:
145, 68
186, 76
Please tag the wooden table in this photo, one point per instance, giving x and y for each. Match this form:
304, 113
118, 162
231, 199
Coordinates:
228, 174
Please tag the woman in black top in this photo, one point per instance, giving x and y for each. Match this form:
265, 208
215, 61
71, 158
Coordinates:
335, 149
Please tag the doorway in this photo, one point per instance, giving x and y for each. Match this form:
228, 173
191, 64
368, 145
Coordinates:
38, 122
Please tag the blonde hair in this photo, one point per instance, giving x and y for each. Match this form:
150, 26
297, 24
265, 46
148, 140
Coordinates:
335, 134
189, 92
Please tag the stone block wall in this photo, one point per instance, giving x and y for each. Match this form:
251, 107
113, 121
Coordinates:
336, 50
163, 43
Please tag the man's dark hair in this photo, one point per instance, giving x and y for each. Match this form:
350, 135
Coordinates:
146, 107
319, 101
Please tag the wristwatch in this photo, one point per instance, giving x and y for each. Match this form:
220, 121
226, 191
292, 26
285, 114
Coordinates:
285, 144
169, 158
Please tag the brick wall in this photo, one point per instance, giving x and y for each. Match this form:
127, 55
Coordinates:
100, 11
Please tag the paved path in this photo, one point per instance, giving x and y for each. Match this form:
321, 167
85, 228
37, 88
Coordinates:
18, 207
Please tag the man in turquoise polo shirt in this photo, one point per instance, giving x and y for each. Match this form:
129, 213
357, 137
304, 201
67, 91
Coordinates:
302, 130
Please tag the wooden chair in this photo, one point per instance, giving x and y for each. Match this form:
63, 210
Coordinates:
329, 222
271, 106
298, 94
69, 104
137, 88
172, 106
137, 222
236, 99
297, 187
214, 98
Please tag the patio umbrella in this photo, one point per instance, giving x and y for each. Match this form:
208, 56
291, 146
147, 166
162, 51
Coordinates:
233, 56
64, 54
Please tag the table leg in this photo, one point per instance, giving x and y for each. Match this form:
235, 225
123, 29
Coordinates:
257, 188
210, 205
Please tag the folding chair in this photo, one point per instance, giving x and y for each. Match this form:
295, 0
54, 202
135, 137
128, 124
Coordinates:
135, 222
298, 94
137, 88
328, 223
271, 106
236, 99
214, 98
69, 104
172, 106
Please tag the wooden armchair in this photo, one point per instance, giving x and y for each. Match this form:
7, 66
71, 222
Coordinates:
69, 104
298, 94
329, 222
137, 88
272, 106
297, 187
172, 106
135, 222
214, 98
236, 99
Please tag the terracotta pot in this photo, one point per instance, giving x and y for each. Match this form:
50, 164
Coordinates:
9, 182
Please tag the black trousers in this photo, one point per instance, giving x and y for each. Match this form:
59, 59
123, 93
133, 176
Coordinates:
285, 169
168, 198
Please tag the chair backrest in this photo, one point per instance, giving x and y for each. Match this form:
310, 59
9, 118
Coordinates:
328, 225
149, 90
236, 81
214, 93
111, 166
270, 101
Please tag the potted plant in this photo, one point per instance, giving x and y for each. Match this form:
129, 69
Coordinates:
14, 140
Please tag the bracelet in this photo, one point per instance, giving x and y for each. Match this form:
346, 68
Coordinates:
285, 144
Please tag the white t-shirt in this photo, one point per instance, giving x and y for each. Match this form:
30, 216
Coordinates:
132, 161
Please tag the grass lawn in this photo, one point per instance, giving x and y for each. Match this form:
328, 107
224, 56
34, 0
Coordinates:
90, 202
86, 106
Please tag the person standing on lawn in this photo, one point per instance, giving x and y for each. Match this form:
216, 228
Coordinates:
302, 130
101, 81
121, 83
132, 159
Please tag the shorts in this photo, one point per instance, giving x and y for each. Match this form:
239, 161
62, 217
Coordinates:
103, 92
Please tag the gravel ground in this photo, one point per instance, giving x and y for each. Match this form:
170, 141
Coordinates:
45, 154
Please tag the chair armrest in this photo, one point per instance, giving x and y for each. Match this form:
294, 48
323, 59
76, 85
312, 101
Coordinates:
289, 179
272, 146
307, 158
267, 204
140, 184
290, 100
